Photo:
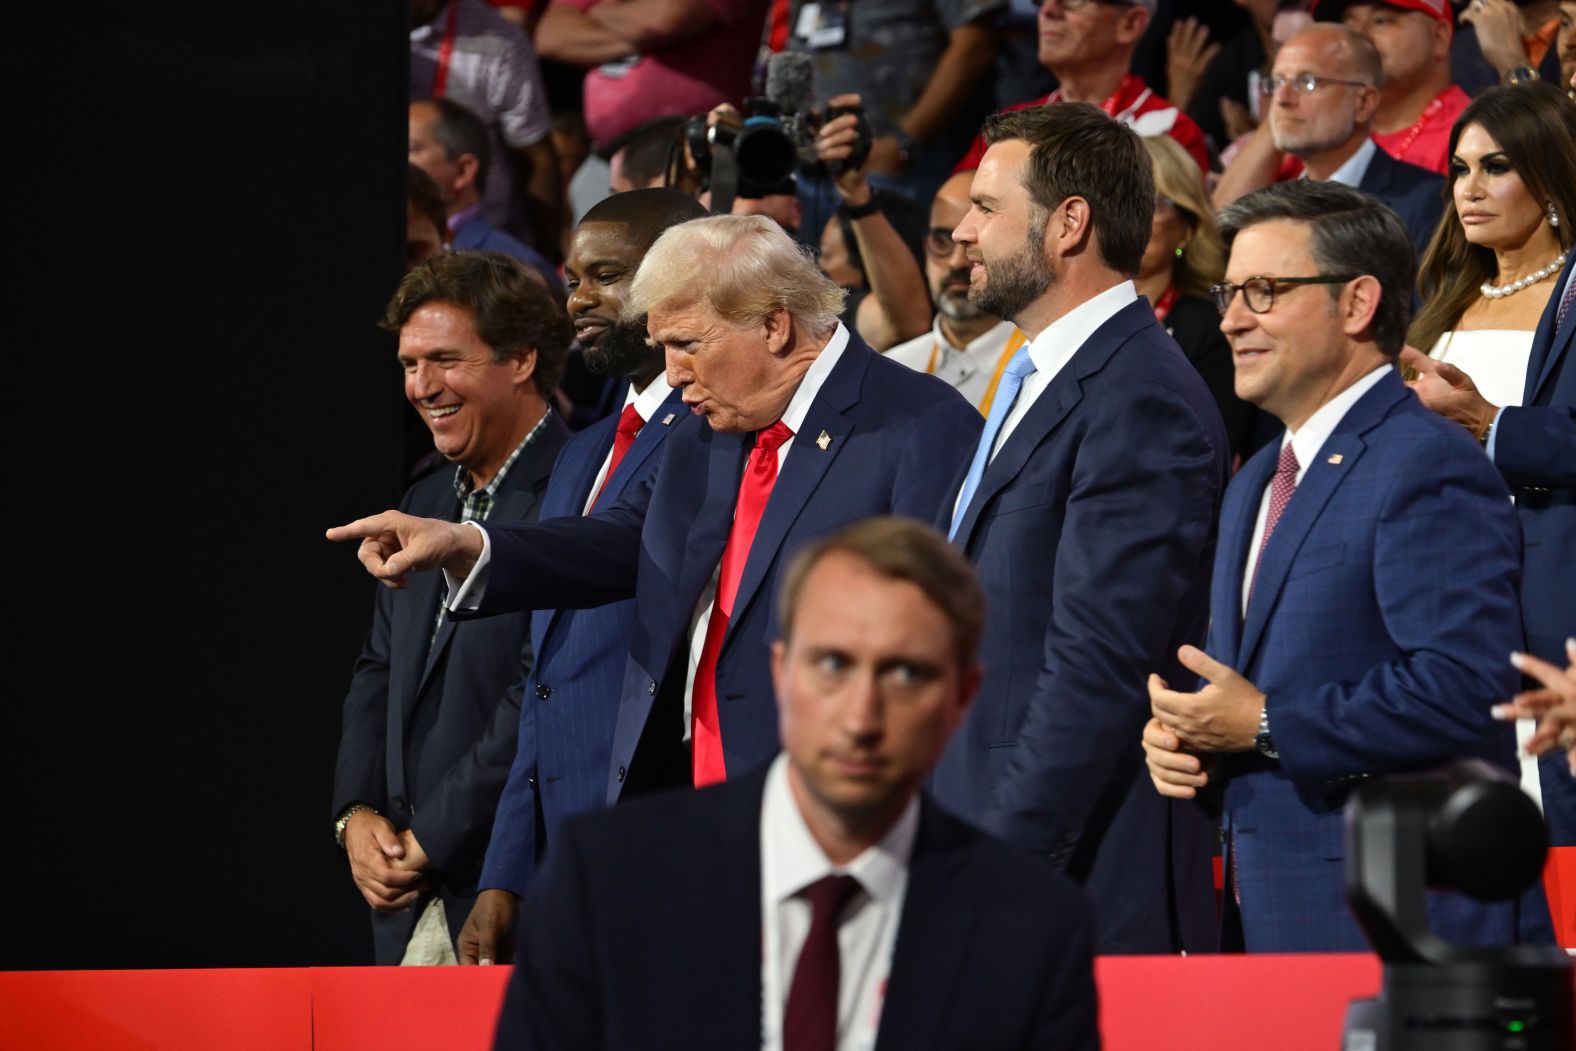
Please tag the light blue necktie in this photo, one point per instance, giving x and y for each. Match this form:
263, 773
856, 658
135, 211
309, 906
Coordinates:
1012, 379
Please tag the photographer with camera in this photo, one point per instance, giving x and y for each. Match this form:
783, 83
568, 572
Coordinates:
861, 248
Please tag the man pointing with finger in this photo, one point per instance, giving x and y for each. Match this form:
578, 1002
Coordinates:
1365, 580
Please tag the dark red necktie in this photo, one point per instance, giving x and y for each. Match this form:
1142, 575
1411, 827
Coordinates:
629, 424
760, 474
1565, 303
1280, 495
810, 1016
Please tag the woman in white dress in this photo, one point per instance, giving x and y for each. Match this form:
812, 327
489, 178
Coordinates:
1491, 266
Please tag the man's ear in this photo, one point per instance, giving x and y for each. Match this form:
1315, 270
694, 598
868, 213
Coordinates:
1131, 25
779, 330
524, 368
779, 654
1359, 304
467, 167
1070, 227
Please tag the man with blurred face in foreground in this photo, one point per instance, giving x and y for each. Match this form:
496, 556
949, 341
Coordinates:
821, 901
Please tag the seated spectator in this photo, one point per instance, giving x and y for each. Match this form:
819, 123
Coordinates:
645, 60
465, 51
872, 245
1418, 103
426, 218
448, 142
1567, 45
821, 900
919, 65
1321, 108
1088, 45
967, 346
1501, 40
1183, 259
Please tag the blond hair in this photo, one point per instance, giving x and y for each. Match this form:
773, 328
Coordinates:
744, 267
1203, 261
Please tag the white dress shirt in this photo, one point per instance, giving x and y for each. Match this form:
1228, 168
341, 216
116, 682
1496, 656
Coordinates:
968, 370
1053, 348
645, 403
792, 860
1307, 441
1356, 166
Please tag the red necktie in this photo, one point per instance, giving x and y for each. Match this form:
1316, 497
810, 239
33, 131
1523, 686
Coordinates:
810, 1016
629, 424
760, 474
1280, 494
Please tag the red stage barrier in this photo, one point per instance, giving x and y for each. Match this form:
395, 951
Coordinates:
1218, 1003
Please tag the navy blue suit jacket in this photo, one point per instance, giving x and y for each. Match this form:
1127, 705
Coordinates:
571, 699
1380, 630
1093, 530
1535, 449
1415, 194
894, 442
430, 722
645, 931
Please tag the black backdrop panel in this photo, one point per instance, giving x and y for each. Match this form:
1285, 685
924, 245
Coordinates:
204, 216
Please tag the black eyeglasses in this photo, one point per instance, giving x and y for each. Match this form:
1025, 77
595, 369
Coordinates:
1306, 83
939, 242
1259, 290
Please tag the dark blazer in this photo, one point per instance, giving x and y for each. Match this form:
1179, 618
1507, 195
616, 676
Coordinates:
645, 931
1535, 450
571, 697
1415, 194
894, 442
1093, 530
430, 722
1380, 628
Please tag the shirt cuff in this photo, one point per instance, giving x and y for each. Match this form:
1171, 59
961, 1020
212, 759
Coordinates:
1493, 435
465, 596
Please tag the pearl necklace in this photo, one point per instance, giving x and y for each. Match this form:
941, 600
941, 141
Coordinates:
1501, 291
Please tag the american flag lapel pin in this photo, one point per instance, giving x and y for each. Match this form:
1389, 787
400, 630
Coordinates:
1335, 458
668, 419
824, 442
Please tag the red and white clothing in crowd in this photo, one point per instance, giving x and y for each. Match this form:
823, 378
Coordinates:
1426, 143
1134, 104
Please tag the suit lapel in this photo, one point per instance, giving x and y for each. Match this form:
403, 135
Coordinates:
1235, 537
1550, 343
645, 446
806, 464
1052, 406
709, 528
1330, 468
724, 909
933, 940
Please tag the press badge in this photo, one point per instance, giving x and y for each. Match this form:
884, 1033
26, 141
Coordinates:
823, 24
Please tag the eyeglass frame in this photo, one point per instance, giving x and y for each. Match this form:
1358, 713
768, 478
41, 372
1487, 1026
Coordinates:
933, 242
1225, 293
1079, 5
1308, 83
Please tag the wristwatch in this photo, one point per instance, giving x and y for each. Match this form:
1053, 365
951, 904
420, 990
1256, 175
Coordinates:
1262, 740
344, 819
1520, 75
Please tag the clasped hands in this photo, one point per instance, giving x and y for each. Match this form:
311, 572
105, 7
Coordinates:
1188, 728
389, 867
394, 544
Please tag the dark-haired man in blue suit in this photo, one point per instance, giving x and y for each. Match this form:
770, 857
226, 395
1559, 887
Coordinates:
570, 700
807, 429
1089, 509
1365, 584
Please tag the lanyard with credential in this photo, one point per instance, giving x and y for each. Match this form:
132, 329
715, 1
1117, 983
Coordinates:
440, 80
1014, 341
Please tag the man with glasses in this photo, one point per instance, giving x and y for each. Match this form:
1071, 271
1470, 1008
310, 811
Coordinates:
1320, 100
1088, 46
1365, 581
967, 346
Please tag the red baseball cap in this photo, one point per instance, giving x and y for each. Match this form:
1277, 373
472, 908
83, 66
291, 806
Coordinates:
1331, 10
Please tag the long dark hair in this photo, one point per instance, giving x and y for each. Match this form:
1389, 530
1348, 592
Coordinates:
1535, 125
